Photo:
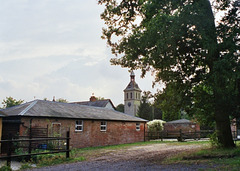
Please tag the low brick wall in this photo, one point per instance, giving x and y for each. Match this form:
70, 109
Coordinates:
117, 132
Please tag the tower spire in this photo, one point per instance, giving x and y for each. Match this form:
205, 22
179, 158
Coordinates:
132, 76
132, 96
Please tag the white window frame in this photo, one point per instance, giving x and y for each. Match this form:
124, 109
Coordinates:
138, 126
103, 126
79, 125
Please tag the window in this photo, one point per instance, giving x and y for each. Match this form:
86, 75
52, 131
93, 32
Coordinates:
79, 125
131, 95
138, 126
103, 126
127, 95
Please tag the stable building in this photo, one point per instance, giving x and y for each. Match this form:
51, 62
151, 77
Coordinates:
88, 125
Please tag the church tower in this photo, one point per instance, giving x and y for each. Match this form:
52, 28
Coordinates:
132, 96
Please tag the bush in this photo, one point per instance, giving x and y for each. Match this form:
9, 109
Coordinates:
155, 125
5, 168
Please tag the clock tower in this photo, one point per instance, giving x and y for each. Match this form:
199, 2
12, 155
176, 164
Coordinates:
132, 96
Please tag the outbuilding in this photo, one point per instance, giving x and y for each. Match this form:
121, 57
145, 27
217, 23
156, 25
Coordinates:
181, 124
88, 125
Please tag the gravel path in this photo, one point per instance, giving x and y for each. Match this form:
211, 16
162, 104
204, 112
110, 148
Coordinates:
134, 158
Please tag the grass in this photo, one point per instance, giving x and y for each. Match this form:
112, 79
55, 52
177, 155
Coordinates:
222, 159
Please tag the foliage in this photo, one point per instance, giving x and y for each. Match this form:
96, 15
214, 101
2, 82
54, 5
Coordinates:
157, 112
5, 168
51, 159
180, 43
214, 140
145, 109
100, 98
170, 100
62, 100
9, 102
20, 151
155, 125
120, 108
25, 166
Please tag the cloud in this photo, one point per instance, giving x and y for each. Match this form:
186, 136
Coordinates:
53, 48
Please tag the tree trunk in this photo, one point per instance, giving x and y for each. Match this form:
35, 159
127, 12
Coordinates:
224, 132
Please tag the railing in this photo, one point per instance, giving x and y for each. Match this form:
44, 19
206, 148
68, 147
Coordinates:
30, 144
180, 135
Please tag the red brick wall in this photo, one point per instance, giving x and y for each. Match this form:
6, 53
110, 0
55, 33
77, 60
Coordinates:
117, 132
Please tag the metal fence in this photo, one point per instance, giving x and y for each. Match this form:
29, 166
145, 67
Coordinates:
27, 146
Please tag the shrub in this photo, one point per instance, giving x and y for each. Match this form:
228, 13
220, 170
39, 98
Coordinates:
155, 125
5, 168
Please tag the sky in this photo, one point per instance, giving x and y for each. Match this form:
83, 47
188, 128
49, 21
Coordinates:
54, 48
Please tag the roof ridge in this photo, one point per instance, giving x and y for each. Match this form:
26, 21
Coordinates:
27, 108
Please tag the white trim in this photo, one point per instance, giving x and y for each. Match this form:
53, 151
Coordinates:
138, 128
80, 125
103, 127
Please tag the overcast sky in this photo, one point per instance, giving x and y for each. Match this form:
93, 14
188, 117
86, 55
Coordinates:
53, 48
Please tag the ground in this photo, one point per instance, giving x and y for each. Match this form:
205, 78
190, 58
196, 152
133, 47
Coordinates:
148, 157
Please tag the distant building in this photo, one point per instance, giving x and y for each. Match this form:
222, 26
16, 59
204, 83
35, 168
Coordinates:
183, 124
132, 96
105, 103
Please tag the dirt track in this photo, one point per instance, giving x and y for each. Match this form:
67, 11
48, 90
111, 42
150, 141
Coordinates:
133, 158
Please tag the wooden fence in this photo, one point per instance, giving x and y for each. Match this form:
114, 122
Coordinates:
179, 135
48, 145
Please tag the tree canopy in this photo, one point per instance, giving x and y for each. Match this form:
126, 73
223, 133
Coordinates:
10, 102
196, 59
145, 109
120, 108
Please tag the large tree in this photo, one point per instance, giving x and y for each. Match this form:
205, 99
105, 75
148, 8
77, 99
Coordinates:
180, 41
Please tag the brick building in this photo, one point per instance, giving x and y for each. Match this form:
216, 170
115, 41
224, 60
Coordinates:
89, 126
183, 124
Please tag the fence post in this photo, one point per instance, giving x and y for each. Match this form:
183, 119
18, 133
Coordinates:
67, 147
195, 134
9, 153
181, 137
30, 143
161, 134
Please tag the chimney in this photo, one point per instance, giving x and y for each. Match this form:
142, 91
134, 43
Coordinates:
93, 98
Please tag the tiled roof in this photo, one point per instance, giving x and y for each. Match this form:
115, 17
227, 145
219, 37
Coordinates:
97, 103
42, 108
180, 121
132, 86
